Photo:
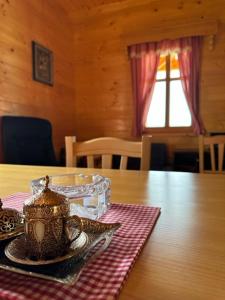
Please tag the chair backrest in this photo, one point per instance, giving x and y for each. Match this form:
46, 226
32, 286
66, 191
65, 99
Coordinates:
27, 140
106, 147
215, 146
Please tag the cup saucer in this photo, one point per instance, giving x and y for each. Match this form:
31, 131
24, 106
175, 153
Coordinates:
17, 231
16, 251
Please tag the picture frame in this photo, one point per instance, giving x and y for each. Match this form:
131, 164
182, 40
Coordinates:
42, 59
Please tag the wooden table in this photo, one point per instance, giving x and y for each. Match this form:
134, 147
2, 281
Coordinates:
185, 255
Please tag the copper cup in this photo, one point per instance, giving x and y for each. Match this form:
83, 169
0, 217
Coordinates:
49, 231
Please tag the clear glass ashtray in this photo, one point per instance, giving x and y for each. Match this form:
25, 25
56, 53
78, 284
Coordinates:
89, 195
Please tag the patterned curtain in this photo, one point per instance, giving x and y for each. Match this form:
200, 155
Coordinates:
189, 62
144, 63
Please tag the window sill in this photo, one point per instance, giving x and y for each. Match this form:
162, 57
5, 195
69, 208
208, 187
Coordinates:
169, 132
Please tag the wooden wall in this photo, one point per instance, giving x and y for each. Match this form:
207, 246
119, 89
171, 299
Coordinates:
92, 93
102, 70
22, 21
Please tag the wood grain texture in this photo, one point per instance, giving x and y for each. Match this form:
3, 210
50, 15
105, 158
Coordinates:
184, 257
92, 94
215, 146
103, 75
106, 147
45, 22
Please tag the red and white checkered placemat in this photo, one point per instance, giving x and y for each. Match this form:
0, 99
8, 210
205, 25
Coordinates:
100, 279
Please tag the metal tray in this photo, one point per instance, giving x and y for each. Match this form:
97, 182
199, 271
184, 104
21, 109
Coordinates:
67, 271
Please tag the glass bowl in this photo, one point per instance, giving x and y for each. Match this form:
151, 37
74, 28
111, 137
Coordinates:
89, 195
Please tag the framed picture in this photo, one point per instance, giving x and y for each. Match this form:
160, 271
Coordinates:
42, 64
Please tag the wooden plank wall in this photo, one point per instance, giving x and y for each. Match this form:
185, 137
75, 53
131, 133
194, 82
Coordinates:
45, 22
92, 94
102, 70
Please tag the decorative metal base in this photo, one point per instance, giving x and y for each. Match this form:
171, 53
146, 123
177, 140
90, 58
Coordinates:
68, 270
16, 251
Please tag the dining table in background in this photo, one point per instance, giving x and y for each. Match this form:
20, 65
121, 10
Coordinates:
184, 258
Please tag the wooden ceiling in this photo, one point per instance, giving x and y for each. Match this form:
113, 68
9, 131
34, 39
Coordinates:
83, 11
72, 5
79, 11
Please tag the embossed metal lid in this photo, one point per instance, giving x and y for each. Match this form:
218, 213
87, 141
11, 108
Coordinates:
9, 218
47, 197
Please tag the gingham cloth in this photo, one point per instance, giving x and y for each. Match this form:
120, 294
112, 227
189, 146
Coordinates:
100, 279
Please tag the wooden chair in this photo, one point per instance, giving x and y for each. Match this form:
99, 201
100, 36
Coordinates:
215, 144
106, 147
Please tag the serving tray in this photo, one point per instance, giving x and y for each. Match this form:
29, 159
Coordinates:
66, 271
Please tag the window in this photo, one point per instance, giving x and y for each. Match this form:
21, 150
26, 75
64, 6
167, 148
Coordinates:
168, 108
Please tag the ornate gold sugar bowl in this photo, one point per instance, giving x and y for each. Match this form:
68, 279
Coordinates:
10, 220
48, 229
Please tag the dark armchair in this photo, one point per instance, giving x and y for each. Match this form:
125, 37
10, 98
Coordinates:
27, 140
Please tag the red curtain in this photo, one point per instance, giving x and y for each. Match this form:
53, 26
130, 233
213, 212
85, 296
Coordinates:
144, 63
189, 62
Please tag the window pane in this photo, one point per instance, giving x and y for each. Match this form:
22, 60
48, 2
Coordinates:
157, 111
179, 114
174, 66
161, 71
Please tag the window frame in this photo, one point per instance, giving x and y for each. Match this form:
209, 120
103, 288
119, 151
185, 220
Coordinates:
167, 128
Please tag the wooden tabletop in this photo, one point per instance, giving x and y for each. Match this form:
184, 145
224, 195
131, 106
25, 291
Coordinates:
185, 255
